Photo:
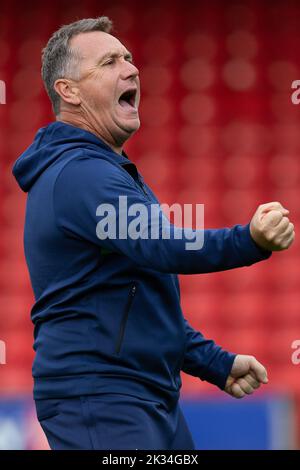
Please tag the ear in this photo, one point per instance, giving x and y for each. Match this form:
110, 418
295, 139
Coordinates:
68, 92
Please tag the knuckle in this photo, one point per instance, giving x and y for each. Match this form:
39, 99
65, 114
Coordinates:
274, 204
291, 239
269, 235
284, 245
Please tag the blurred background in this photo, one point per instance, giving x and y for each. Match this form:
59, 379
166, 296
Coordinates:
219, 128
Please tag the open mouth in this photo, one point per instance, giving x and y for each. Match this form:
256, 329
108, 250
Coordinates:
128, 99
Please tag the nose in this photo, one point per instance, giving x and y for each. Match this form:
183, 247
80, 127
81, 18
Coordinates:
129, 70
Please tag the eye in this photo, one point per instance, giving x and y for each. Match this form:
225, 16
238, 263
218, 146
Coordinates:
109, 62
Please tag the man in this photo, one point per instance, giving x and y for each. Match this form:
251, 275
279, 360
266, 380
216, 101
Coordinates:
110, 336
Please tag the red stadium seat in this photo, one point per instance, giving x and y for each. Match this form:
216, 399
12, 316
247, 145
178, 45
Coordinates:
279, 344
250, 341
210, 134
246, 309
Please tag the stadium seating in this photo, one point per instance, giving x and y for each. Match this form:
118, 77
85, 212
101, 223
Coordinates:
218, 128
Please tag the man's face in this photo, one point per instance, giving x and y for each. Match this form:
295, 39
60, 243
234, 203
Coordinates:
109, 87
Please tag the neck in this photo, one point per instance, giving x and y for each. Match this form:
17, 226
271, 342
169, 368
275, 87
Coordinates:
79, 121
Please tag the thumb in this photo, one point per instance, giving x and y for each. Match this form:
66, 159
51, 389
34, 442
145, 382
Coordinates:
258, 371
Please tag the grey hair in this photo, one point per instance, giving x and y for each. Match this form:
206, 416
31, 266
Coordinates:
60, 61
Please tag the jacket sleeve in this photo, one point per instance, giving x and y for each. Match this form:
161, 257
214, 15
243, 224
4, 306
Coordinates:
85, 183
205, 359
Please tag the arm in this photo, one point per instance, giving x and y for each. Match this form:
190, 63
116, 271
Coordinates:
86, 182
206, 360
237, 374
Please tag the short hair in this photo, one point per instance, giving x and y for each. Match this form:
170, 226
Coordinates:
59, 60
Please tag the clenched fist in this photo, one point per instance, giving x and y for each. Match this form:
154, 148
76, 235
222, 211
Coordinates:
270, 227
246, 375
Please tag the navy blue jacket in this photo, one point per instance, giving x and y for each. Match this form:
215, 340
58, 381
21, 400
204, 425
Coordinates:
107, 316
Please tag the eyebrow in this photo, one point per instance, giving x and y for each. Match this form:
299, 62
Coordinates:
115, 55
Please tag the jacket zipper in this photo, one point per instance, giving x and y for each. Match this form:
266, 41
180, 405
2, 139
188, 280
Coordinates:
142, 185
124, 319
143, 188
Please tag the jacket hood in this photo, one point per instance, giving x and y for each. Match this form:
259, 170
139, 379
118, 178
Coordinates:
49, 143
